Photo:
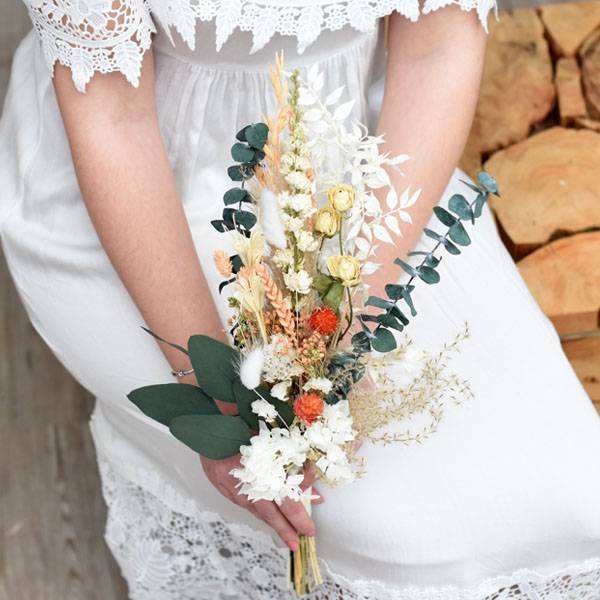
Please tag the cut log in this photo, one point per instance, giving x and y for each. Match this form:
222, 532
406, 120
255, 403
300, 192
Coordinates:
517, 89
590, 73
571, 103
584, 354
549, 187
588, 124
569, 24
564, 278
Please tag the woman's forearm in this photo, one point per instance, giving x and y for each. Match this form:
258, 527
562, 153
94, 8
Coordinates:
432, 86
129, 189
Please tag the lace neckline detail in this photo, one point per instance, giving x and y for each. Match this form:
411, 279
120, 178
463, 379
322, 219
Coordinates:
103, 36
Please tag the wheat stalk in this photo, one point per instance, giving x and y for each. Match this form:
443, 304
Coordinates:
273, 293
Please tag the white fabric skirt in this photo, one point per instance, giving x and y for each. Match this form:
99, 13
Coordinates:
502, 502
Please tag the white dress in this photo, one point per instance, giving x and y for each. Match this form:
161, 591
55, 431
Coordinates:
502, 502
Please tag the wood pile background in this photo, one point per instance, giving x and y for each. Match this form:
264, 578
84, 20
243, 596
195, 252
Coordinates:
537, 130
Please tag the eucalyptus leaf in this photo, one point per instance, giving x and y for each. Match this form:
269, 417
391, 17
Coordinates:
480, 201
221, 226
241, 134
214, 365
242, 153
236, 195
383, 340
244, 218
225, 283
256, 135
361, 342
235, 173
488, 182
378, 302
458, 234
214, 436
236, 263
408, 268
165, 401
428, 274
432, 261
389, 321
444, 216
458, 204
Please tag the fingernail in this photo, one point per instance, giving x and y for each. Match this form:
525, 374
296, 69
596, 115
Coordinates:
293, 546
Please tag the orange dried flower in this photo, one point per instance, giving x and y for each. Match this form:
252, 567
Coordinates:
308, 407
323, 320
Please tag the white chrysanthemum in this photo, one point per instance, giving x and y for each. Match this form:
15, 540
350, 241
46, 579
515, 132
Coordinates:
321, 384
298, 281
298, 180
264, 410
280, 390
307, 241
271, 464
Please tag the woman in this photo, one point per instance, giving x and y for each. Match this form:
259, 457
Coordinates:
108, 186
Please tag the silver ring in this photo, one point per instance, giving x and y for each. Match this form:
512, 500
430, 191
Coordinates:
182, 373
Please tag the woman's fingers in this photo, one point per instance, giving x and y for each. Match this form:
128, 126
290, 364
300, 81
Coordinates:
319, 499
296, 514
272, 516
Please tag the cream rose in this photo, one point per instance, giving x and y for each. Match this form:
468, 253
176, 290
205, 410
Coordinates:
327, 221
344, 268
341, 197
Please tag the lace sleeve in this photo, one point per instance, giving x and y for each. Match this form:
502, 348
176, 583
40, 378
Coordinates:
482, 7
92, 36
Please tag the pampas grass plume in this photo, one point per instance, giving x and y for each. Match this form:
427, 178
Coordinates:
271, 219
251, 367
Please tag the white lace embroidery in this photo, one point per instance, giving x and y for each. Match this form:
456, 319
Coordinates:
92, 36
191, 555
103, 36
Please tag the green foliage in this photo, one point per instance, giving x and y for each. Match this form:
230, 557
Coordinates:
214, 366
329, 289
247, 152
164, 402
459, 211
213, 436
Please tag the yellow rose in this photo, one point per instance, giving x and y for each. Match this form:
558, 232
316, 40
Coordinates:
327, 221
344, 268
341, 197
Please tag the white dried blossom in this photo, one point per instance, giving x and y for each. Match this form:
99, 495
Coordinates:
280, 366
307, 242
271, 465
298, 180
321, 384
298, 281
291, 223
265, 410
299, 203
283, 258
280, 390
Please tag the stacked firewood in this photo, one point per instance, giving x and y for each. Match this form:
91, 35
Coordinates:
537, 130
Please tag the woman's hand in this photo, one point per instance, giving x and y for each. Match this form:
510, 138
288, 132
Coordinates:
288, 520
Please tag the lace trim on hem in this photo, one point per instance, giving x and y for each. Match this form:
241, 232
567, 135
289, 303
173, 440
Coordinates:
167, 547
105, 36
